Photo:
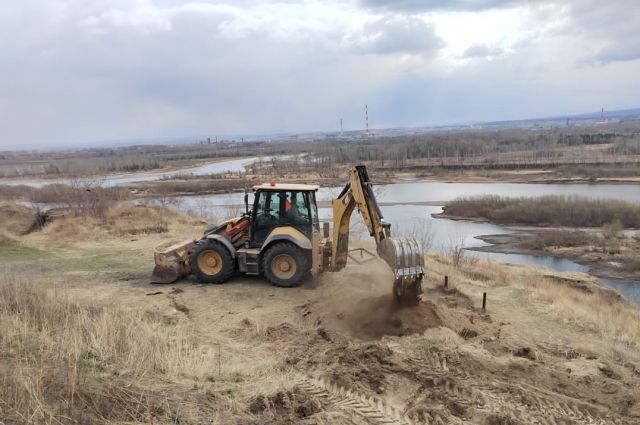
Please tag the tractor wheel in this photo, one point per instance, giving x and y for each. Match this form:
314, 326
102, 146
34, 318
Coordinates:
285, 265
211, 262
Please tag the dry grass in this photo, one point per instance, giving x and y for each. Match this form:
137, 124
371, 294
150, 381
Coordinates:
585, 310
71, 363
117, 220
597, 311
222, 183
71, 229
85, 353
559, 238
122, 219
589, 246
129, 219
570, 238
84, 197
15, 219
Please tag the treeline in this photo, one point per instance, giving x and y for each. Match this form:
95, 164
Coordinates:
469, 148
485, 148
126, 159
546, 211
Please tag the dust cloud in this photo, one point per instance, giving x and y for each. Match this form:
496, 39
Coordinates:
359, 301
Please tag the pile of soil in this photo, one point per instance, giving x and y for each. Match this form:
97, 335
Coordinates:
371, 319
285, 406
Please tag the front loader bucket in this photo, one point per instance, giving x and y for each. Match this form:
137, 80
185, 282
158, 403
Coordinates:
172, 263
405, 257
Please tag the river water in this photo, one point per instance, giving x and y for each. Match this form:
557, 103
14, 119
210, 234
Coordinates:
219, 167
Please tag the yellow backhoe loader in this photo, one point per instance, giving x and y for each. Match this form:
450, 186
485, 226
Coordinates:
281, 238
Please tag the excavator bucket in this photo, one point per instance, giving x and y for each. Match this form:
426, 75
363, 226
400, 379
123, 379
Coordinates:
172, 262
406, 258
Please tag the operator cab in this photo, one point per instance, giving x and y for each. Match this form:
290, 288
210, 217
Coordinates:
277, 205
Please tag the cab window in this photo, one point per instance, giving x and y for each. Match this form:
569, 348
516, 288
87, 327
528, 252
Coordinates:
297, 207
268, 209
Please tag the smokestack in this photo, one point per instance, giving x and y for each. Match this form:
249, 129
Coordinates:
366, 118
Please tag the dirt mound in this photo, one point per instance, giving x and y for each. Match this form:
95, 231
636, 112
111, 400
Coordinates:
288, 406
73, 229
357, 367
15, 219
359, 303
124, 219
372, 318
336, 358
281, 332
466, 323
502, 420
130, 219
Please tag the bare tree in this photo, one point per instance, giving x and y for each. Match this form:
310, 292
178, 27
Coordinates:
422, 231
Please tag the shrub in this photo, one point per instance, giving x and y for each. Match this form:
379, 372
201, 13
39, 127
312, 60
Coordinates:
559, 238
546, 211
612, 230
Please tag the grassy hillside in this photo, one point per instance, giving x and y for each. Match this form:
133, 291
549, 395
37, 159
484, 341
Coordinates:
84, 338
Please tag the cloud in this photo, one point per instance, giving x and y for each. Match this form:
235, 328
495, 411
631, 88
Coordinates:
397, 35
482, 51
609, 34
617, 53
77, 71
134, 70
431, 5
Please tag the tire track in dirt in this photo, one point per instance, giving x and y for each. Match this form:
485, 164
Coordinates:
520, 402
371, 410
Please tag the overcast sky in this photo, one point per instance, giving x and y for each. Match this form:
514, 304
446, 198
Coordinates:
78, 71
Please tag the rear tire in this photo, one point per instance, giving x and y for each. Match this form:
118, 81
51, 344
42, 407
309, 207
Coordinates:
211, 261
285, 265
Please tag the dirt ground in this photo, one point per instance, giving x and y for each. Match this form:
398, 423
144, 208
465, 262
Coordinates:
338, 351
354, 358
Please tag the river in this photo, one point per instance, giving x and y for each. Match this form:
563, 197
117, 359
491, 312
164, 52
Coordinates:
233, 165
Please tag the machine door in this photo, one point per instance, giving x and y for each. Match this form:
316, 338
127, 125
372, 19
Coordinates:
280, 208
266, 216
298, 213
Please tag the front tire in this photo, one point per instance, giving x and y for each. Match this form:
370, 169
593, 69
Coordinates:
285, 265
211, 262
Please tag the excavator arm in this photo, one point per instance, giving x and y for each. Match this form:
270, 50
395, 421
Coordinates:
403, 254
